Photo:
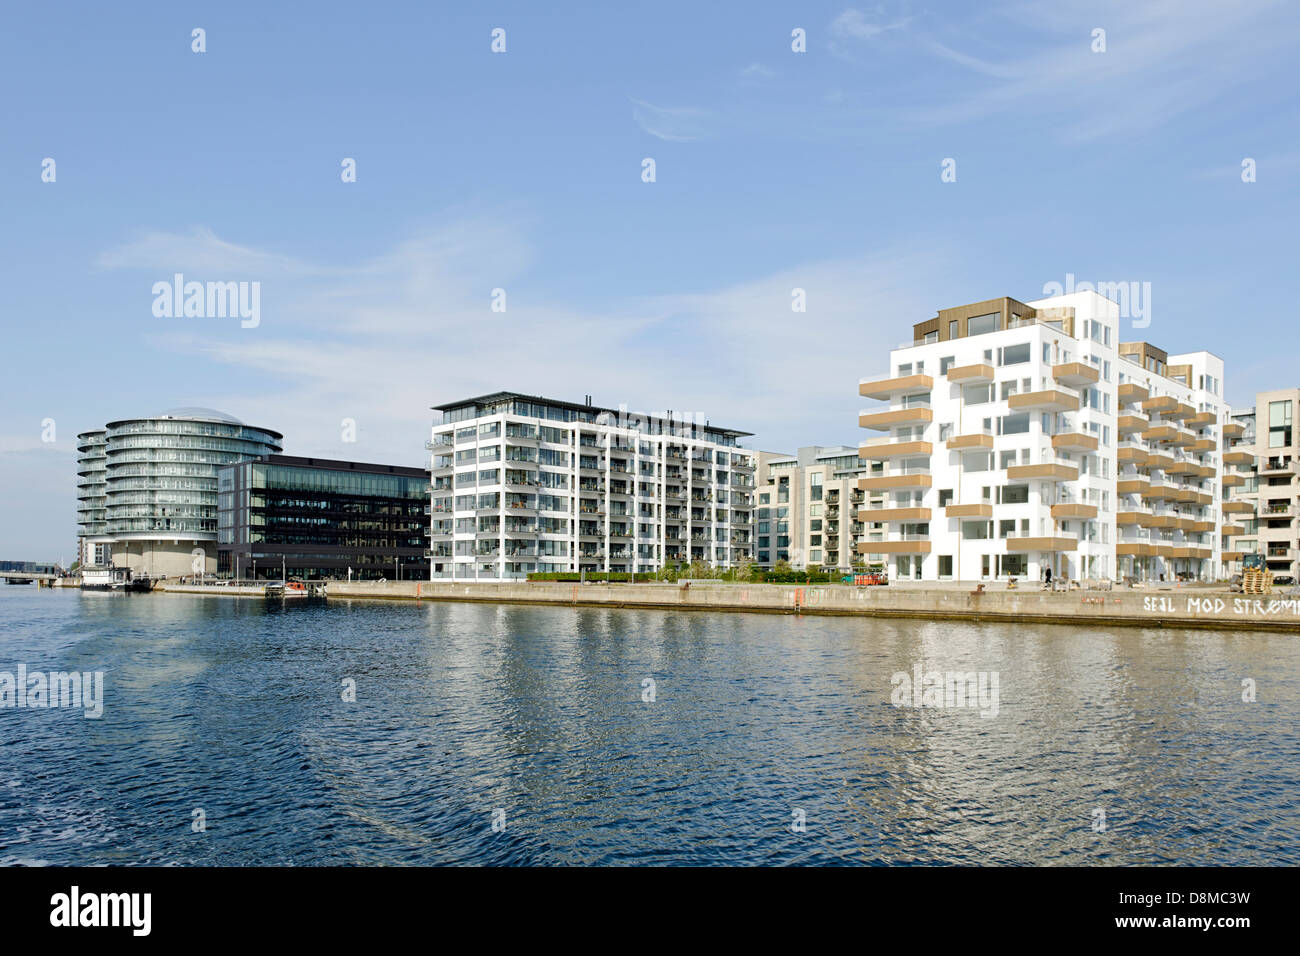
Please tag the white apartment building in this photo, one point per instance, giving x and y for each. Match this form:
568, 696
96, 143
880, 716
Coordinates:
527, 484
1026, 436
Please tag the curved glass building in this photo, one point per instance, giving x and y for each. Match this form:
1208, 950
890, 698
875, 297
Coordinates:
147, 487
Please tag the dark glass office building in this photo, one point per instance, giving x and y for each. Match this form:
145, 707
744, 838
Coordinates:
316, 518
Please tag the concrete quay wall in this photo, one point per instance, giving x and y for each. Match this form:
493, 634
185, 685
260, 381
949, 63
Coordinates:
1172, 607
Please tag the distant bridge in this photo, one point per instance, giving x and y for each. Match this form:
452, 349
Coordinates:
29, 576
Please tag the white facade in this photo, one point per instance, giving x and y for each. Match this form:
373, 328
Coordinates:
523, 484
1023, 439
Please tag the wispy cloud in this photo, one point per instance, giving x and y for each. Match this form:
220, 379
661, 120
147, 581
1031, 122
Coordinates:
412, 327
683, 124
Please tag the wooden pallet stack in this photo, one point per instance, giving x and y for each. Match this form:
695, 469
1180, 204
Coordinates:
1257, 581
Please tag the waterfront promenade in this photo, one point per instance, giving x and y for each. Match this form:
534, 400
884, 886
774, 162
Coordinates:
1157, 606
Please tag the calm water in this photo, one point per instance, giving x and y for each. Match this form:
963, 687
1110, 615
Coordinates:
234, 706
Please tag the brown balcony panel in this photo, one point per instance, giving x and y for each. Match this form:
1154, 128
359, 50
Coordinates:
1191, 552
1201, 419
1130, 392
971, 373
1056, 543
1048, 400
1075, 373
1073, 441
1074, 510
1238, 458
1232, 555
1238, 508
894, 481
1132, 423
969, 511
1202, 445
1183, 467
886, 388
1181, 411
1135, 455
1132, 486
1129, 517
970, 441
1049, 471
1160, 433
900, 449
1157, 460
1156, 521
883, 421
1138, 549
1205, 527
893, 547
894, 514
1164, 404
1233, 430
1233, 529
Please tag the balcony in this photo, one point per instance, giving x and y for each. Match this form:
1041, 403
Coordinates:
1238, 508
1136, 549
1132, 454
1159, 460
1202, 445
1186, 551
901, 479
1046, 471
1017, 544
969, 511
1048, 400
1075, 374
1201, 420
1148, 520
1168, 434
1132, 486
1131, 392
1073, 510
886, 388
883, 421
970, 373
893, 514
1238, 458
1232, 555
1074, 441
1203, 527
1164, 404
1233, 430
901, 449
1233, 529
894, 547
1129, 517
1130, 423
1276, 466
962, 442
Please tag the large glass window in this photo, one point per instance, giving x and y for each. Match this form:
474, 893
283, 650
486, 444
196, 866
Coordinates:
981, 324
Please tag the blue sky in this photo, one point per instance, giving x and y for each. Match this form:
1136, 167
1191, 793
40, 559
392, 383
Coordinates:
522, 171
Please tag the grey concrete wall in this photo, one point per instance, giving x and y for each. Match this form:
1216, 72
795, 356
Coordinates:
1176, 607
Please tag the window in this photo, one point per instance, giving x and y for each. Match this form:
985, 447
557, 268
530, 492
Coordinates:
945, 497
1013, 494
945, 363
1014, 354
977, 394
952, 329
982, 324
945, 565
1014, 424
1279, 424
